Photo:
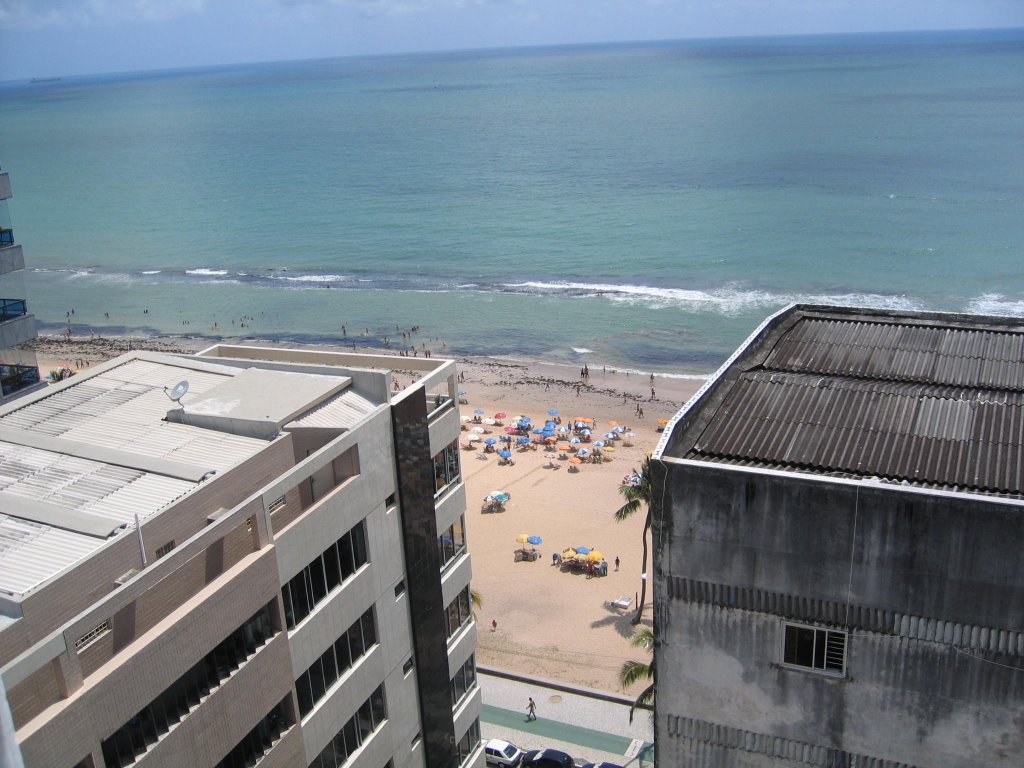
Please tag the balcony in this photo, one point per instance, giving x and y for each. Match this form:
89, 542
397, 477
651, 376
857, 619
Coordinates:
15, 377
12, 308
6, 237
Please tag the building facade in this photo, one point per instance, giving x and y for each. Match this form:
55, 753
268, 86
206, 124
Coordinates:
839, 548
246, 555
18, 371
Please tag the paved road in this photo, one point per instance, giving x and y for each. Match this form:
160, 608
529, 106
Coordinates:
588, 728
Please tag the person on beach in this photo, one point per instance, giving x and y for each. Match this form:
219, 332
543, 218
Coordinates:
531, 710
616, 562
494, 625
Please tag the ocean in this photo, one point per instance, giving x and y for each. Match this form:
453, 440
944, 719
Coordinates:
641, 206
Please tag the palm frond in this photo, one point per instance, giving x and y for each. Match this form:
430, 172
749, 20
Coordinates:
646, 697
642, 638
634, 671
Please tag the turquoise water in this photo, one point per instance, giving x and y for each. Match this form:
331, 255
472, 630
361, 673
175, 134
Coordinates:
643, 206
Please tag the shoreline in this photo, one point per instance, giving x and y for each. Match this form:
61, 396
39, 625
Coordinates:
550, 623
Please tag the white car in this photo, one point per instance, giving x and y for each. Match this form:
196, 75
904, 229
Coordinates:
502, 753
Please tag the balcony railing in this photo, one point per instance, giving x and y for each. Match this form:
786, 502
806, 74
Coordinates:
12, 308
6, 237
15, 377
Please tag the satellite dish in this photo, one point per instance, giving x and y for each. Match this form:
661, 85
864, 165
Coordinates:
178, 391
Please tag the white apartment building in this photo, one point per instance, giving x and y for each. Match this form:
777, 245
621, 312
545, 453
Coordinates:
266, 564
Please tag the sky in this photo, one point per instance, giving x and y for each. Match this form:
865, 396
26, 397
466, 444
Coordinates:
49, 38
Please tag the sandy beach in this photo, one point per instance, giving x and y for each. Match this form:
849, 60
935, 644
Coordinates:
550, 622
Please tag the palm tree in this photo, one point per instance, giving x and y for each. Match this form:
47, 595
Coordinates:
477, 600
637, 670
638, 494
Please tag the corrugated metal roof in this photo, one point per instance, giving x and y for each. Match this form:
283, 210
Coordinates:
344, 410
121, 408
912, 401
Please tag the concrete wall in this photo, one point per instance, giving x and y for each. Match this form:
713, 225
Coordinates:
12, 258
744, 550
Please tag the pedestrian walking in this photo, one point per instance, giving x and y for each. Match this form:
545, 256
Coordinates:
531, 710
494, 625
616, 562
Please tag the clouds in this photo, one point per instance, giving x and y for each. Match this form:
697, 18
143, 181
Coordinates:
85, 13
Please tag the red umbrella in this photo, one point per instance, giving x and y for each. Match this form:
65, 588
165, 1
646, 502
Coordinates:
500, 415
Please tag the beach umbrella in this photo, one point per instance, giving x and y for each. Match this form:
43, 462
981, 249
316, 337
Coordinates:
583, 452
522, 538
535, 540
564, 447
505, 454
594, 556
585, 432
582, 550
549, 425
511, 430
499, 415
574, 460
488, 421
464, 417
553, 412
575, 441
610, 435
599, 444
478, 410
505, 438
569, 554
473, 438
550, 439
564, 429
618, 429
523, 440
613, 423
490, 441
477, 430
499, 495
538, 431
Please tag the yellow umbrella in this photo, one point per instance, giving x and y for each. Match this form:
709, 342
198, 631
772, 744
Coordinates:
569, 554
522, 537
594, 556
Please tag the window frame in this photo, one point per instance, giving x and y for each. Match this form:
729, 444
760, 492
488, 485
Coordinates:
826, 634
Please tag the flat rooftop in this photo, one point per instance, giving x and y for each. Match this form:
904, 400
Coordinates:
923, 399
79, 461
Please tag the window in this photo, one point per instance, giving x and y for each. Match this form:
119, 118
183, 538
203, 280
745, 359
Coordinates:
325, 573
407, 667
161, 551
458, 613
464, 681
399, 589
446, 468
276, 504
468, 742
391, 500
148, 726
259, 740
92, 635
353, 644
814, 648
354, 733
452, 542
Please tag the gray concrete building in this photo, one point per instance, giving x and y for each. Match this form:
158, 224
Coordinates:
839, 547
265, 564
18, 371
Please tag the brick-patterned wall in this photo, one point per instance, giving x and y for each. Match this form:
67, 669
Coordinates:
34, 694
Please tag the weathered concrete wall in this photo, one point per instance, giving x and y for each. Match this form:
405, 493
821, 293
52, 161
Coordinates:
816, 547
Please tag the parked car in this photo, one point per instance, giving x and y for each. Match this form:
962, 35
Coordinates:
547, 758
502, 753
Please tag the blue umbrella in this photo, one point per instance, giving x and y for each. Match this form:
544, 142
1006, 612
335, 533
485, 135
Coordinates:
585, 432
582, 550
462, 392
610, 436
478, 410
505, 454
599, 444
574, 441
538, 431
490, 441
523, 440
553, 412
618, 429
535, 540
582, 452
550, 424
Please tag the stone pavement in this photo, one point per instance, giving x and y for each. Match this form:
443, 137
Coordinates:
589, 725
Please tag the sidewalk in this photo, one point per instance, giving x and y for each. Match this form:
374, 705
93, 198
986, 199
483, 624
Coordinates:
590, 729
